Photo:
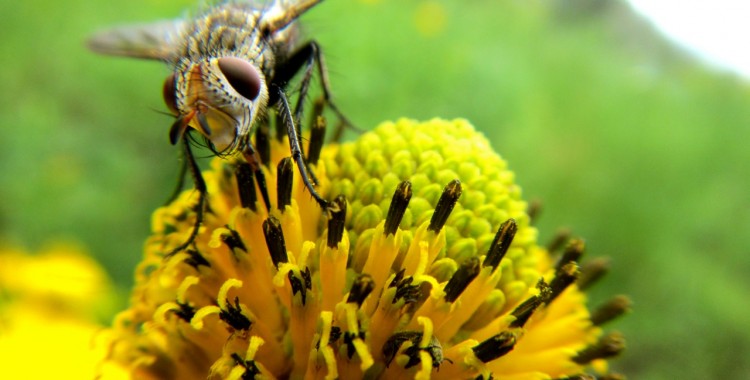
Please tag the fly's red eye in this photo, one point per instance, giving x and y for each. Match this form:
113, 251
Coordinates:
242, 75
170, 98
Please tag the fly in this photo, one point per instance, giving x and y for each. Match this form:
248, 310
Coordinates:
230, 66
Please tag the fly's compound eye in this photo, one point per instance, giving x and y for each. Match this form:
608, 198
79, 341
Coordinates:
169, 92
241, 75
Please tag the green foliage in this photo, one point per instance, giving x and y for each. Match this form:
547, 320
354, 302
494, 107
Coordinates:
633, 144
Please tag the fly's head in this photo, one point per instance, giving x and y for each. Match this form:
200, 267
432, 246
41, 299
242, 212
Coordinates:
218, 97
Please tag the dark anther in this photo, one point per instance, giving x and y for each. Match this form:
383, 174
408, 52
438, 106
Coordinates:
335, 334
251, 369
559, 240
275, 241
396, 210
535, 208
263, 145
608, 346
461, 279
524, 311
501, 243
317, 133
495, 347
393, 344
307, 276
280, 127
246, 185
572, 253
481, 377
233, 240
301, 285
195, 259
361, 288
592, 271
616, 307
336, 221
445, 205
563, 278
233, 316
405, 289
284, 181
332, 337
185, 312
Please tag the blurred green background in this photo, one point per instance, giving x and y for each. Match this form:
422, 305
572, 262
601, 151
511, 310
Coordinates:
628, 141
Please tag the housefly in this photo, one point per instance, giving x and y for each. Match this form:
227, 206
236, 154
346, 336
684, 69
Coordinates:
230, 64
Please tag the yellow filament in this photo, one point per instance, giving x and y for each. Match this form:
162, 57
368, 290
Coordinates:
197, 321
224, 291
252, 347
160, 315
186, 283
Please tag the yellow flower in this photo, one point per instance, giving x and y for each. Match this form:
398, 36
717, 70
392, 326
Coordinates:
425, 266
49, 305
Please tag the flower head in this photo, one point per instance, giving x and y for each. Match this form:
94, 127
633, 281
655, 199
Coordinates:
424, 266
49, 306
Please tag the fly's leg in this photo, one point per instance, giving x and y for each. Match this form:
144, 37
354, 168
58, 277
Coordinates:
305, 59
285, 113
200, 187
180, 180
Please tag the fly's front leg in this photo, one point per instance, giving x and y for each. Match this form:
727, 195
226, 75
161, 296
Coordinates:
200, 187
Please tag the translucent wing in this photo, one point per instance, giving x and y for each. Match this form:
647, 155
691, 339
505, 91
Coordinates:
149, 41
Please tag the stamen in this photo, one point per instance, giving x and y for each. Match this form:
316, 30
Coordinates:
445, 205
558, 241
275, 241
563, 278
461, 279
495, 347
317, 138
263, 145
394, 343
251, 369
396, 210
501, 243
592, 271
284, 182
234, 317
336, 221
301, 285
572, 253
195, 259
185, 311
524, 311
616, 307
232, 239
280, 127
404, 288
608, 346
533, 211
246, 185
361, 288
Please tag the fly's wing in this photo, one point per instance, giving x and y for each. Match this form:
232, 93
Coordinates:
149, 41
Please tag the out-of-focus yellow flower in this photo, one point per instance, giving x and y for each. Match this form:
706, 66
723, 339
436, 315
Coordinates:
424, 266
49, 307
